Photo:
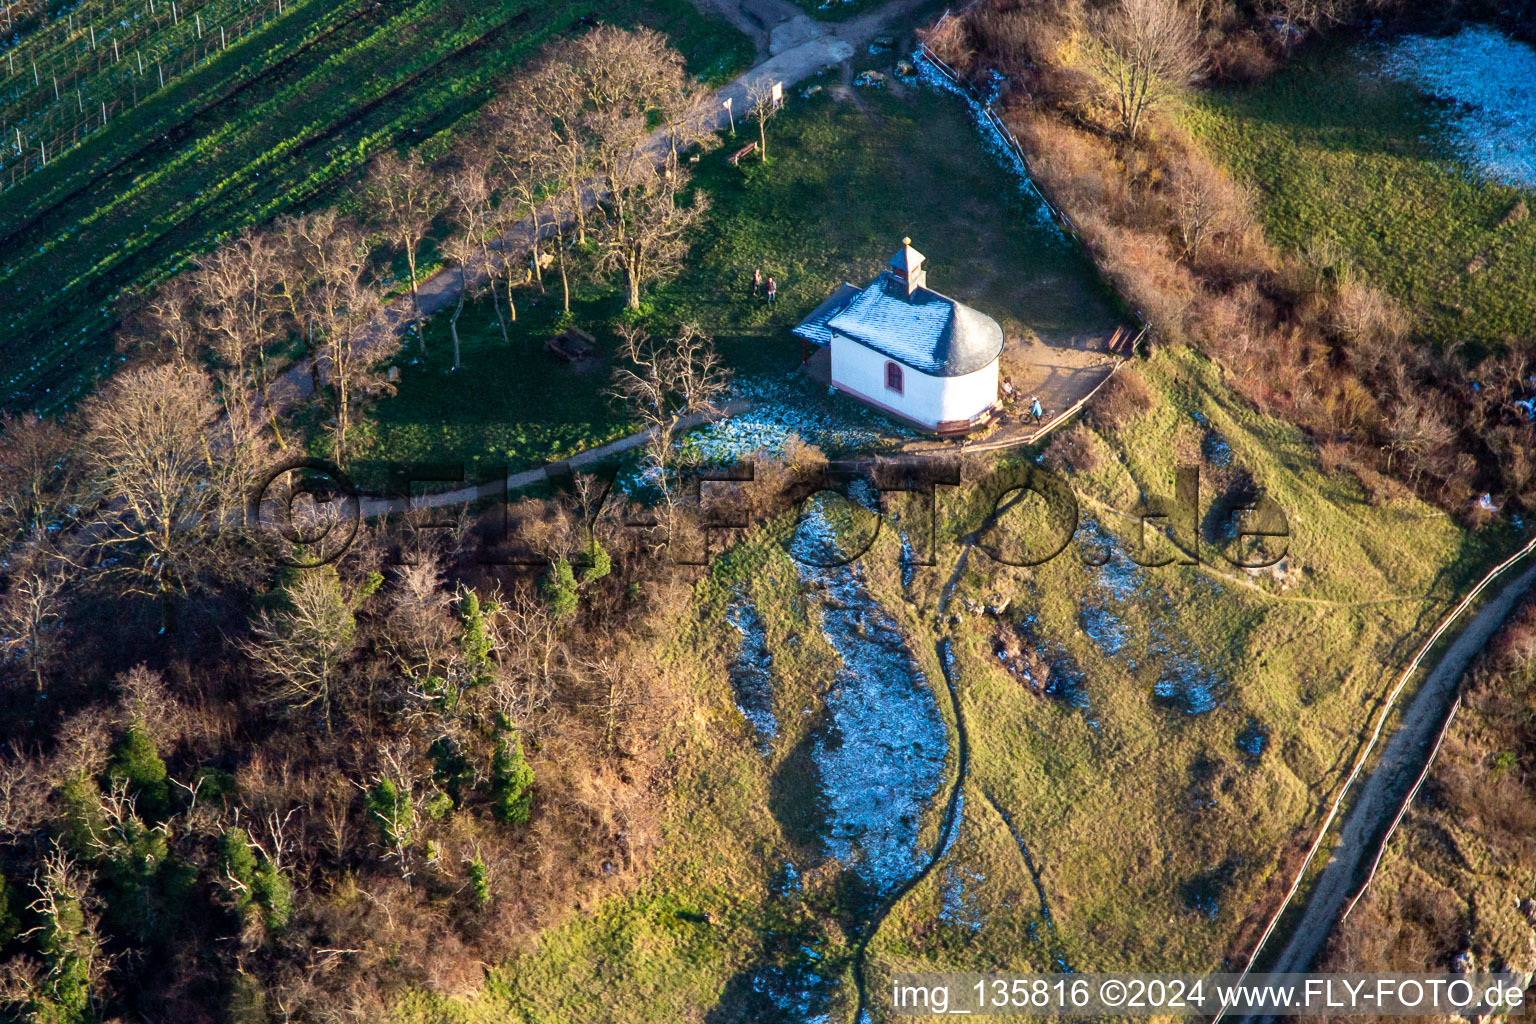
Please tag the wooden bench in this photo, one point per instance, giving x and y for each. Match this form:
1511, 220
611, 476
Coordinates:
745, 151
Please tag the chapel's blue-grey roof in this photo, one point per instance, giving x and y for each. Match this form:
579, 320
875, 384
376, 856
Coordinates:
814, 327
929, 332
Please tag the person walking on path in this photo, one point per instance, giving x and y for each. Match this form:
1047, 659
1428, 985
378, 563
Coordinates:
1035, 410
773, 291
757, 282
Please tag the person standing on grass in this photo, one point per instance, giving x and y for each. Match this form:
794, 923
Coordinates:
773, 291
1035, 410
757, 282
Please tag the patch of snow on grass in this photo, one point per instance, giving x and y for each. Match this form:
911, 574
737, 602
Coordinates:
777, 414
1491, 80
1213, 446
881, 760
752, 674
1115, 582
1188, 687
1253, 739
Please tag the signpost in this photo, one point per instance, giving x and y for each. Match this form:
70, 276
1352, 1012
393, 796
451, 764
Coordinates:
730, 113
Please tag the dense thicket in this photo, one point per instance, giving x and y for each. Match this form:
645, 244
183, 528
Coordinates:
232, 790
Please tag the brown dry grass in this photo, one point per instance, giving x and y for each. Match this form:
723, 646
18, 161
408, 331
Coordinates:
1300, 336
1456, 876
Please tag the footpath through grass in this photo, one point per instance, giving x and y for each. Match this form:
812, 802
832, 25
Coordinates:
851, 173
1348, 159
284, 119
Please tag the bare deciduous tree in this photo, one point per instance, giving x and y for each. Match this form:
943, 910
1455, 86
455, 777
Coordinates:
32, 610
420, 625
649, 240
1205, 203
624, 77
761, 106
688, 119
1144, 51
528, 651
38, 471
75, 960
555, 90
242, 312
341, 307
168, 319
459, 249
302, 645
666, 381
1293, 19
1363, 315
514, 132
472, 210
148, 448
24, 791
393, 794
1419, 435
406, 196
351, 353
320, 250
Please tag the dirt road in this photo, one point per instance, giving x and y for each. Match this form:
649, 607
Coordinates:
1388, 784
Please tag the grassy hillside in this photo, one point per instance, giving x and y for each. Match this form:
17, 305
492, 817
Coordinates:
1359, 171
1193, 718
1127, 814
283, 119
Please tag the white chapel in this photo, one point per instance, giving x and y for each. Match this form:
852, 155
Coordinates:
904, 348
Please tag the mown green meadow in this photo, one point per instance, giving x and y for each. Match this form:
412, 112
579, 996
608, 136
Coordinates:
1357, 171
851, 172
285, 119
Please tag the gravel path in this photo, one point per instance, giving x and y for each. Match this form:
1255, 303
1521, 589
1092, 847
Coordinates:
1389, 783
